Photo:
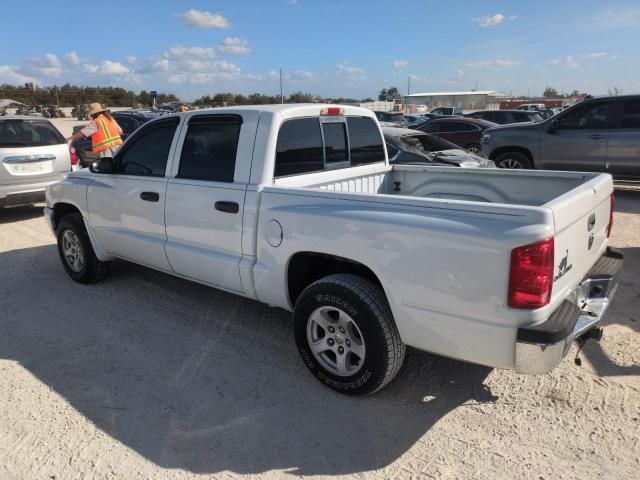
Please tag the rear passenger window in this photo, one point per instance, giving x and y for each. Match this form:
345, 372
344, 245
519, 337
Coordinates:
365, 140
335, 142
210, 147
299, 148
630, 114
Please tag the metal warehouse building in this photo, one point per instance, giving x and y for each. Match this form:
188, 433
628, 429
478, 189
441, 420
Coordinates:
473, 100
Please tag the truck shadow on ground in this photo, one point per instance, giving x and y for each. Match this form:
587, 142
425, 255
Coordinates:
625, 311
197, 379
17, 214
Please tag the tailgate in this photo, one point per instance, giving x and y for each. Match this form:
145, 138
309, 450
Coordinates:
581, 218
29, 164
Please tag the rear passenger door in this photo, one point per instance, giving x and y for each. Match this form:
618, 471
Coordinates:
205, 198
623, 147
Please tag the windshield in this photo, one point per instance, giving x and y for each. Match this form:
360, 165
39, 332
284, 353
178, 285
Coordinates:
425, 143
21, 133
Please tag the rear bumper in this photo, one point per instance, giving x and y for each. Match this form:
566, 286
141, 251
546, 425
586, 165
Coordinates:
24, 194
541, 348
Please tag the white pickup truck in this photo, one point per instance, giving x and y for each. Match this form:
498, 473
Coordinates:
296, 206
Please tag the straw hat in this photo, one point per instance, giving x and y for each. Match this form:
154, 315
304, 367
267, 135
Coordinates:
95, 108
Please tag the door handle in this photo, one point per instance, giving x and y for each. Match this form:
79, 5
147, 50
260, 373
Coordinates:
150, 196
596, 136
227, 207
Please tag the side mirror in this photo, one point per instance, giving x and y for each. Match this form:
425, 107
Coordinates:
102, 165
553, 127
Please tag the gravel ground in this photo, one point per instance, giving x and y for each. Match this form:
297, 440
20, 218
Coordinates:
149, 376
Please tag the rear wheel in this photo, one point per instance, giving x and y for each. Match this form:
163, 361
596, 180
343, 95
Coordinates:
76, 252
346, 334
512, 160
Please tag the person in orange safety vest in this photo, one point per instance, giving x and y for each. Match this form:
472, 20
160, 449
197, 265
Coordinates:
104, 131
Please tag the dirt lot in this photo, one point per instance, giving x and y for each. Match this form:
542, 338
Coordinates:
148, 376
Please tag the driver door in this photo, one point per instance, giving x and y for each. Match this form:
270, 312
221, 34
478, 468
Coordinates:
579, 142
126, 208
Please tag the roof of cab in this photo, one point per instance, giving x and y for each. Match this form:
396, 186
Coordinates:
289, 109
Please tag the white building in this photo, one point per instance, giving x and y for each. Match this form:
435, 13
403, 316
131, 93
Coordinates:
473, 100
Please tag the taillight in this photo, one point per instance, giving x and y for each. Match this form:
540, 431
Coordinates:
612, 204
531, 275
73, 155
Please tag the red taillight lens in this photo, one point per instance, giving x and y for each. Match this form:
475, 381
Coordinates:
531, 275
73, 155
612, 204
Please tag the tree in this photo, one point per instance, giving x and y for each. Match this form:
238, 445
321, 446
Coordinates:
550, 92
389, 94
613, 91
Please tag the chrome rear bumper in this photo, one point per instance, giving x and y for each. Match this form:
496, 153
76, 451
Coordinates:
541, 348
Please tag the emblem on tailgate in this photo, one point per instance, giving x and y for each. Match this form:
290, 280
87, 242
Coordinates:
563, 268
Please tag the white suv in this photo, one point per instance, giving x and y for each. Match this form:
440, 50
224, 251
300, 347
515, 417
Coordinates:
33, 155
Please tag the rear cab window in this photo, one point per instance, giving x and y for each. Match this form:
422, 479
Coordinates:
307, 145
29, 133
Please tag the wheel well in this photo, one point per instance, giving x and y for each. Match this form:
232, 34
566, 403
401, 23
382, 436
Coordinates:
60, 210
499, 151
307, 267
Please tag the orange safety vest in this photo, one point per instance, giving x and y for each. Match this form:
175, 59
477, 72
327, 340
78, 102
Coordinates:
107, 135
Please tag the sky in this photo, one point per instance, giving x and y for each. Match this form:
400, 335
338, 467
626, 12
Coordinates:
340, 48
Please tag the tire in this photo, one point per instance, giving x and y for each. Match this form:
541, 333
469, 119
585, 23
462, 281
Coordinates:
74, 244
474, 148
514, 160
364, 352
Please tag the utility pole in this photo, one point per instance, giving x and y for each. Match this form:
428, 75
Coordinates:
409, 85
281, 95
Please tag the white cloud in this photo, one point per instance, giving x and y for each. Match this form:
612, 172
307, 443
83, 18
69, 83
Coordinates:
204, 19
292, 2
345, 67
160, 65
555, 61
497, 63
11, 76
131, 59
302, 75
571, 62
596, 55
107, 67
181, 52
492, 20
49, 65
400, 65
234, 45
72, 58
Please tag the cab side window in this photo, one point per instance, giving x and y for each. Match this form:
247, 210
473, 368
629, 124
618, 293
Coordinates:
147, 153
210, 148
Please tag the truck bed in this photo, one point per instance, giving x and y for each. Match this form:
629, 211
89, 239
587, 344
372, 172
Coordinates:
452, 183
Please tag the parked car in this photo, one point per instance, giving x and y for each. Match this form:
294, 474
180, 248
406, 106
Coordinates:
532, 107
33, 155
601, 134
391, 117
81, 112
412, 121
503, 117
297, 207
128, 120
447, 111
405, 146
464, 132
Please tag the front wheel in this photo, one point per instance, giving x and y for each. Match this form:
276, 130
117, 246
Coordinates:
346, 334
474, 148
76, 252
514, 160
